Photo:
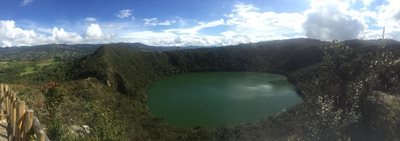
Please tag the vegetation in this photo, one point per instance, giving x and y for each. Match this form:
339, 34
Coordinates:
349, 90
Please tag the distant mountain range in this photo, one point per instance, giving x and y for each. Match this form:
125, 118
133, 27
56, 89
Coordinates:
69, 52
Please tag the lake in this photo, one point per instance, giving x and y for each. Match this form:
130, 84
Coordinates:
219, 99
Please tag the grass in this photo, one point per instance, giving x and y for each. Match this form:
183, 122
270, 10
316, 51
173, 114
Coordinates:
47, 62
28, 70
35, 66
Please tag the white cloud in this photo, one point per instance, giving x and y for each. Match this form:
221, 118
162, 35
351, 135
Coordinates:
252, 25
331, 20
126, 13
6, 44
59, 35
397, 16
197, 28
165, 23
10, 35
155, 22
177, 37
388, 16
246, 24
370, 34
172, 39
94, 32
367, 3
151, 21
326, 20
149, 37
90, 19
26, 2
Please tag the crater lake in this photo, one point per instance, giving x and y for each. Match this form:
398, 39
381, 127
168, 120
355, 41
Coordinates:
215, 99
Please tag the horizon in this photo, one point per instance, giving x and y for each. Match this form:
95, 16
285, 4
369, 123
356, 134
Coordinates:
192, 23
199, 46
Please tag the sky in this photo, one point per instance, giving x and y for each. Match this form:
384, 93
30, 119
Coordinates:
193, 22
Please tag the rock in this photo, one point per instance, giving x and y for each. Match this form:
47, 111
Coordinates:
78, 130
87, 129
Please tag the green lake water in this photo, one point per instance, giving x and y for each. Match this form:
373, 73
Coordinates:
218, 99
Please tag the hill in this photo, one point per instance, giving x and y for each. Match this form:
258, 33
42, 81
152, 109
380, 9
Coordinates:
131, 71
334, 80
349, 89
50, 51
51, 61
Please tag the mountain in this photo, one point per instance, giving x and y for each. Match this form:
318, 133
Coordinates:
131, 71
49, 62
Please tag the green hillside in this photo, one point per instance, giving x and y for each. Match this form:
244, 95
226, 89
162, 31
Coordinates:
349, 90
325, 75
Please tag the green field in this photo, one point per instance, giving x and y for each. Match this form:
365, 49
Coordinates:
13, 71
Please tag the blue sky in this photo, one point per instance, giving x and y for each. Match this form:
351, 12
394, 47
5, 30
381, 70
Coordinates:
184, 22
51, 10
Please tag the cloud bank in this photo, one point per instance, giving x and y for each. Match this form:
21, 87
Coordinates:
10, 35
